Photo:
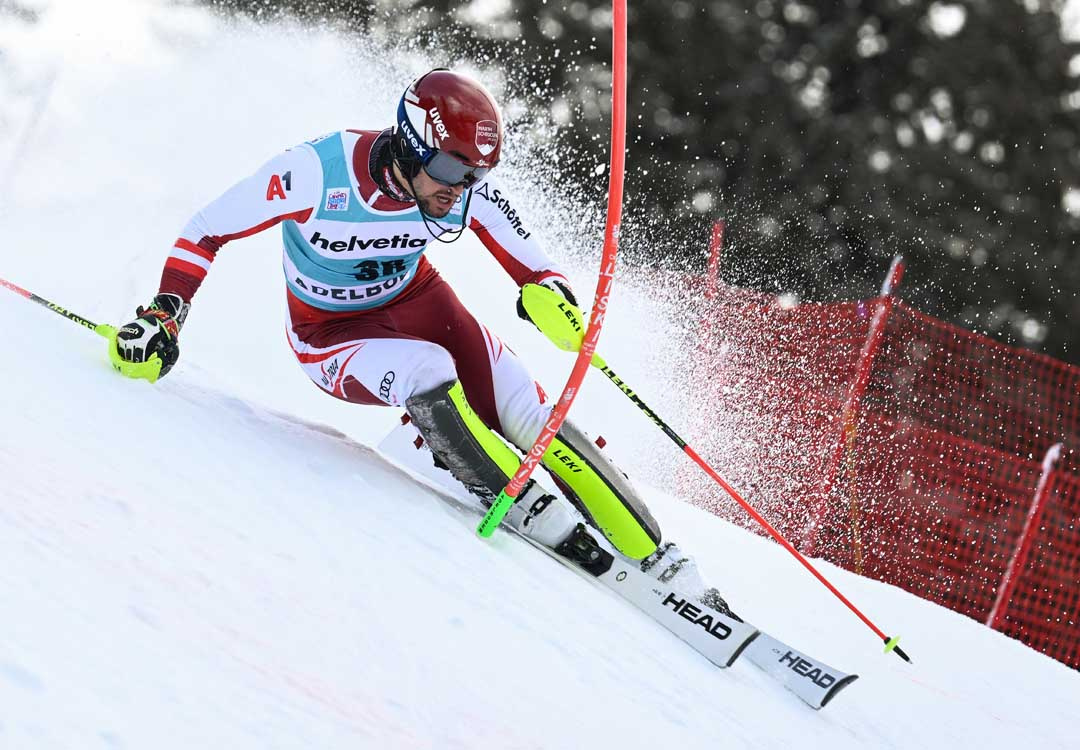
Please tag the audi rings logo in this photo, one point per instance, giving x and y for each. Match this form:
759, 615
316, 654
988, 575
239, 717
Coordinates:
384, 386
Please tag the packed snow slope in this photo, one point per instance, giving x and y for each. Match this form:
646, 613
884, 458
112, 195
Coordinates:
181, 567
219, 560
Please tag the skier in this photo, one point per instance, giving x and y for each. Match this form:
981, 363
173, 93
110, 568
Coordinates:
372, 322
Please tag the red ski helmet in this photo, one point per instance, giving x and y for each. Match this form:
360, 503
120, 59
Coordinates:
449, 125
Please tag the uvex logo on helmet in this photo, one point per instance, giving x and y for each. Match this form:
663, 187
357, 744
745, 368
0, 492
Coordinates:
408, 132
436, 119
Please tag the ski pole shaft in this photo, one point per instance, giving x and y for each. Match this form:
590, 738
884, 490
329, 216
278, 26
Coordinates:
560, 321
101, 329
602, 366
149, 369
891, 644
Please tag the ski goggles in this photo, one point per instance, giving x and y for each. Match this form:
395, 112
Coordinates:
451, 171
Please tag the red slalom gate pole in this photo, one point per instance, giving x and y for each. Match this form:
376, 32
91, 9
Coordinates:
604, 281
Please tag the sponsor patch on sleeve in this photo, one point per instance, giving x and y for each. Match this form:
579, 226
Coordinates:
337, 199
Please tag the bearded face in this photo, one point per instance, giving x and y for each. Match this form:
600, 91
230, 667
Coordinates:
435, 199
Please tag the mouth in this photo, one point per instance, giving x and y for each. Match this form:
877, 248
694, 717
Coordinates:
444, 200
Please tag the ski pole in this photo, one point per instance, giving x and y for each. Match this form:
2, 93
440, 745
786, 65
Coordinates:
561, 322
149, 369
101, 329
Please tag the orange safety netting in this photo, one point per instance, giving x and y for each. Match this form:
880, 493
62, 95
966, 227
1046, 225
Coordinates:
939, 462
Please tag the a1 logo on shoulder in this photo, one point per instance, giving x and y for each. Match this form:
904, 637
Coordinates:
278, 186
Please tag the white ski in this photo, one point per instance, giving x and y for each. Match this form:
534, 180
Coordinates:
718, 638
814, 681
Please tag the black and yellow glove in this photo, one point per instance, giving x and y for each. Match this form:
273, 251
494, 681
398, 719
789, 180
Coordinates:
148, 346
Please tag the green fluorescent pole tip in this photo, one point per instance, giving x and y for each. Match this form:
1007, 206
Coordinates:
495, 514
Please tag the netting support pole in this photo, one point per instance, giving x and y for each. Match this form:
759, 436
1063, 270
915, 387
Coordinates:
1023, 544
716, 249
712, 288
849, 413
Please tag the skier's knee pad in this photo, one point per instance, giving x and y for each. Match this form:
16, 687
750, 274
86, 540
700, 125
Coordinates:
481, 461
603, 492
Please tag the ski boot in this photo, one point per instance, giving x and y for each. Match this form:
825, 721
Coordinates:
671, 565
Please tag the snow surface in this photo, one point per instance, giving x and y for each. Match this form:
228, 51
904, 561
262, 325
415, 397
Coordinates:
219, 561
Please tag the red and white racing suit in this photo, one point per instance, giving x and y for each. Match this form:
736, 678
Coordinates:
371, 321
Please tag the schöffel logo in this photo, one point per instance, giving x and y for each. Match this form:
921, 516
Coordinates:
495, 196
337, 199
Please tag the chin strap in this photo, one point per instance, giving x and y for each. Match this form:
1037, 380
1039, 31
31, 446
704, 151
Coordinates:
429, 220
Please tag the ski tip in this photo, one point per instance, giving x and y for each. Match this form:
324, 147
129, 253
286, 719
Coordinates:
840, 685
